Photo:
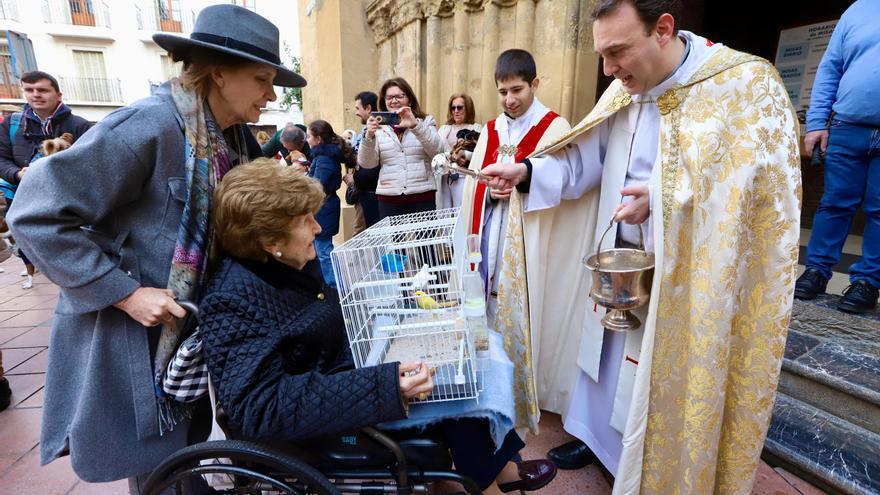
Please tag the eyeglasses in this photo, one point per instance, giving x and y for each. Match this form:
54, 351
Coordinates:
457, 108
395, 97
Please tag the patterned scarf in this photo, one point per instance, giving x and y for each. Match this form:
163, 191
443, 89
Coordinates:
207, 161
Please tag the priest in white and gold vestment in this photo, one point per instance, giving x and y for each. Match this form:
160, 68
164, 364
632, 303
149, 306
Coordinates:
705, 139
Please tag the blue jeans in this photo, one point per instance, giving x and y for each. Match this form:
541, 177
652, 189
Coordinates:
324, 246
852, 178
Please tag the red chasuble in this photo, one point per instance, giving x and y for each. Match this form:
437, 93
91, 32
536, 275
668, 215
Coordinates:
525, 147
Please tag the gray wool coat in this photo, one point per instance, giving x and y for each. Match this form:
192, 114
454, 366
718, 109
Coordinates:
100, 220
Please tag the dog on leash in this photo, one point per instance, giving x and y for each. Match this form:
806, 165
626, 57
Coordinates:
48, 147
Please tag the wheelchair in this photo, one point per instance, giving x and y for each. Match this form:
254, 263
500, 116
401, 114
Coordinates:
367, 462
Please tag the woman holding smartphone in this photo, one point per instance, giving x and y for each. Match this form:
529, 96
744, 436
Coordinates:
406, 182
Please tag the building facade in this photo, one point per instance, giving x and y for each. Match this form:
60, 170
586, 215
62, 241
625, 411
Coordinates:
101, 51
443, 47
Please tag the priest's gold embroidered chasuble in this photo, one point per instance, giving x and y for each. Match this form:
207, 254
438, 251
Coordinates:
730, 192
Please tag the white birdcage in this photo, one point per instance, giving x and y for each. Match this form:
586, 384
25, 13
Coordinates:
400, 289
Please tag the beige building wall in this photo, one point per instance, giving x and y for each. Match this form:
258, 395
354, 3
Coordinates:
338, 59
442, 47
446, 46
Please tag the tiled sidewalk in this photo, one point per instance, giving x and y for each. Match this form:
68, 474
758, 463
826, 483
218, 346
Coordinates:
25, 320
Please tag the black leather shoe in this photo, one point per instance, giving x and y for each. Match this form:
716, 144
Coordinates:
859, 297
5, 394
572, 455
810, 284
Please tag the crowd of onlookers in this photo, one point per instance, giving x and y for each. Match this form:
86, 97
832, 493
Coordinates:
386, 168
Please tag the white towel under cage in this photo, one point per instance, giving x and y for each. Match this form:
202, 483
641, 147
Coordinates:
400, 289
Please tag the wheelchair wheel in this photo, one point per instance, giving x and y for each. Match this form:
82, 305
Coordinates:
236, 467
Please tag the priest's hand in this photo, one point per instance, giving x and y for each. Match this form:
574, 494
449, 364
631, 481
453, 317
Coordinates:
635, 211
813, 138
503, 176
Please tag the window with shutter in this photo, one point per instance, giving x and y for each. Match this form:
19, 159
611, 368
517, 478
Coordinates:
91, 83
9, 84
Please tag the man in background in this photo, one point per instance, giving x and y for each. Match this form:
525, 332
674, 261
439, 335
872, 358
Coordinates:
844, 121
361, 183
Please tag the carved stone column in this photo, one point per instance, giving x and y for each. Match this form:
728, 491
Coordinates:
433, 76
448, 46
460, 47
487, 104
525, 25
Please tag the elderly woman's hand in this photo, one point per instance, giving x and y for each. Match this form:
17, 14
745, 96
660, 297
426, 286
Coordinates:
415, 384
150, 307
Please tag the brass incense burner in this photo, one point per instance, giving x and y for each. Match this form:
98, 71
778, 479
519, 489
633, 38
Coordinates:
621, 281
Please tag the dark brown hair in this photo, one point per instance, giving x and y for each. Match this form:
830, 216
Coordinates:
515, 63
323, 130
404, 86
470, 115
367, 98
38, 75
649, 11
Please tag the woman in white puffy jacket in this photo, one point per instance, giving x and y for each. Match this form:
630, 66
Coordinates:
406, 182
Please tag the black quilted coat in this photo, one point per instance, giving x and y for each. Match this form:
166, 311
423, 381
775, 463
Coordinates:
276, 347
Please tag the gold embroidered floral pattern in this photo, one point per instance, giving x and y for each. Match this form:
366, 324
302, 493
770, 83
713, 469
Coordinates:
731, 209
512, 319
730, 186
668, 101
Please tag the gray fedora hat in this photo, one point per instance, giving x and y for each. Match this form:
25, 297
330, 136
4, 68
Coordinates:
235, 31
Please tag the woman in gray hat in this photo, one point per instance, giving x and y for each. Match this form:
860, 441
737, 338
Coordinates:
121, 223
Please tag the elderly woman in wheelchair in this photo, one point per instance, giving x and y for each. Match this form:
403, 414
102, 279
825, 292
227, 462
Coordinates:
276, 349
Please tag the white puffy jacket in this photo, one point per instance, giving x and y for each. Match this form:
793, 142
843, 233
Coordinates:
406, 163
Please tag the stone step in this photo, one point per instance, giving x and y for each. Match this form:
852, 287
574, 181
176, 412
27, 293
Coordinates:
832, 361
824, 449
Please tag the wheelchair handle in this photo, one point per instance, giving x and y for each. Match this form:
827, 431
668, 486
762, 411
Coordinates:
189, 306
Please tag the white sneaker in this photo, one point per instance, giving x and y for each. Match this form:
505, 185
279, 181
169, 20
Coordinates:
28, 284
24, 273
2, 270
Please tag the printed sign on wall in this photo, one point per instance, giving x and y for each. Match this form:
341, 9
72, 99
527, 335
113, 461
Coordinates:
797, 59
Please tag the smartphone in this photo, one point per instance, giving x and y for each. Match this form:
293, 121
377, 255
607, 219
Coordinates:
818, 158
386, 118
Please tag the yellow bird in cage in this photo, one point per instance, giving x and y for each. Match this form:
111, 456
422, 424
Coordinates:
427, 302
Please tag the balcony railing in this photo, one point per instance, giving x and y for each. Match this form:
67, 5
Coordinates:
91, 89
9, 9
77, 12
154, 18
11, 91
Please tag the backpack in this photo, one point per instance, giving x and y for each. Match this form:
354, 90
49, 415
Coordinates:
7, 188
